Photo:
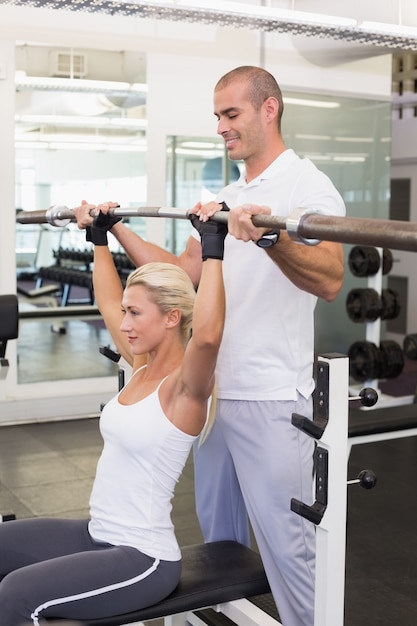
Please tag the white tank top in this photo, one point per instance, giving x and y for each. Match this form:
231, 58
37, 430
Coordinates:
141, 462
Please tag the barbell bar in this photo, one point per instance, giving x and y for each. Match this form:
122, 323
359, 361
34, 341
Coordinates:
303, 225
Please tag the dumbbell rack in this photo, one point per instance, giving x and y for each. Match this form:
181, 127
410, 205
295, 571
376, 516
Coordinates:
373, 335
373, 329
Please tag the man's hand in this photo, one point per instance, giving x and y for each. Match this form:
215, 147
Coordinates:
241, 225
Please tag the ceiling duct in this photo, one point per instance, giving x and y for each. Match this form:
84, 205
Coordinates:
236, 15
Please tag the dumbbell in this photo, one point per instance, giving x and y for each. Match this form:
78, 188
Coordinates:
365, 261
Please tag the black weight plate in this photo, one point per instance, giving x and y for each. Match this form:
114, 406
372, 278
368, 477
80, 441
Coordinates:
364, 261
364, 361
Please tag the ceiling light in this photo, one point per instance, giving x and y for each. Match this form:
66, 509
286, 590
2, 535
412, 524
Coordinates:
200, 144
313, 137
355, 139
321, 104
47, 83
236, 15
83, 121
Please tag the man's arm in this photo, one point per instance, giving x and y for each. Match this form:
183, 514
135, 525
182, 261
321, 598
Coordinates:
319, 269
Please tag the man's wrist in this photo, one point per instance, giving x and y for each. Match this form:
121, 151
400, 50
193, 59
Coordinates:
268, 239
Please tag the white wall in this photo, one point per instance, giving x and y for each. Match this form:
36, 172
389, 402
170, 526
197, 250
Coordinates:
183, 64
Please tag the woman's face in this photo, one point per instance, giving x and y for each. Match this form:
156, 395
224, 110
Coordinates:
143, 322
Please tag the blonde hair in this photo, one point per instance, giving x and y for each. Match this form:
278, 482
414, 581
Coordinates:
170, 288
211, 417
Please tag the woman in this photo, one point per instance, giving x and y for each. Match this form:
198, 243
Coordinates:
126, 556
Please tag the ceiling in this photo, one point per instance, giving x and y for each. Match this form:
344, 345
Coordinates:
65, 107
395, 28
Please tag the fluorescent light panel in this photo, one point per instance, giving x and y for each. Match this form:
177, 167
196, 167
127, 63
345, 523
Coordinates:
47, 83
236, 15
83, 121
306, 102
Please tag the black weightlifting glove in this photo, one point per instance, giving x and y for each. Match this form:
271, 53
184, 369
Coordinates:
97, 232
212, 235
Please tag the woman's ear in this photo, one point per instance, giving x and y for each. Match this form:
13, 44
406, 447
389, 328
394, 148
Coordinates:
173, 318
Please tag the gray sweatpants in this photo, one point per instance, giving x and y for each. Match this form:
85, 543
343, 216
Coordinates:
52, 568
252, 463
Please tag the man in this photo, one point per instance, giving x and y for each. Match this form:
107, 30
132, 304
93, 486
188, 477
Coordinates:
254, 461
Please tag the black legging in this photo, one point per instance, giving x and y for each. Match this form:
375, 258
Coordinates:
52, 568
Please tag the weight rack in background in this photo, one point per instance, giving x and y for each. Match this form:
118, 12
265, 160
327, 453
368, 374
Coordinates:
373, 359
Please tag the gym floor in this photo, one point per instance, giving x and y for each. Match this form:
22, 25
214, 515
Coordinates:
47, 469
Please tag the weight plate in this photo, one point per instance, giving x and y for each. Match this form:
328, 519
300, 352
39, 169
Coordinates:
390, 304
392, 359
363, 305
364, 361
410, 346
364, 261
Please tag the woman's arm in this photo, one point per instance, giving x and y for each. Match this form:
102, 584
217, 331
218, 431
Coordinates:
197, 371
108, 289
141, 252
108, 292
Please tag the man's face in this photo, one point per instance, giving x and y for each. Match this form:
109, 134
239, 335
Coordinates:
239, 123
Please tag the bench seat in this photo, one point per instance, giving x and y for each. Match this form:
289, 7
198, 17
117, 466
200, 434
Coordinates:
383, 420
212, 573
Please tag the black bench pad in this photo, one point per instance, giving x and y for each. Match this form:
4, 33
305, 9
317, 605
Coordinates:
9, 312
211, 573
383, 420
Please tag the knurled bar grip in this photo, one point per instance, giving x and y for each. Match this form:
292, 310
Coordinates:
394, 234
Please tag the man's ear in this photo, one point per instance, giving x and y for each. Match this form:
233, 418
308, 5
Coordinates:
271, 107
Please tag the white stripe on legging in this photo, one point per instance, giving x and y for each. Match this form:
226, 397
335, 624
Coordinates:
89, 594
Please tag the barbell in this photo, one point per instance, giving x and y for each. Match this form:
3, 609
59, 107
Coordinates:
303, 225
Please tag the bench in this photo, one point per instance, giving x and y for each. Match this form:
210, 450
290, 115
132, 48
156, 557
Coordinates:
212, 573
9, 327
384, 423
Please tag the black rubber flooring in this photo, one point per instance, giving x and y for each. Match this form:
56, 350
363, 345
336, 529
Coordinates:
47, 469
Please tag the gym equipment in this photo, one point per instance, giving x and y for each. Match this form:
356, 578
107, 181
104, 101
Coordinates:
302, 225
388, 422
366, 479
382, 424
212, 574
365, 261
115, 358
77, 311
364, 361
330, 427
391, 306
392, 359
222, 575
410, 346
363, 305
367, 397
9, 327
367, 305
368, 362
